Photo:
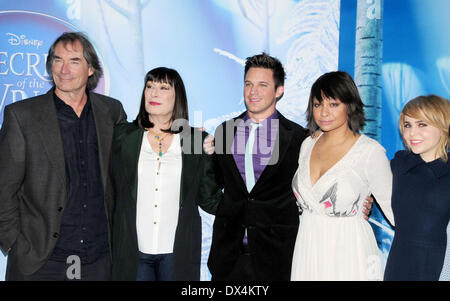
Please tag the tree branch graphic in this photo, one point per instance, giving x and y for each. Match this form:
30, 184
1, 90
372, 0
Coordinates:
133, 13
259, 13
368, 61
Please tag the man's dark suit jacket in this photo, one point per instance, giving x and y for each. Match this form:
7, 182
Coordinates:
269, 211
197, 187
33, 178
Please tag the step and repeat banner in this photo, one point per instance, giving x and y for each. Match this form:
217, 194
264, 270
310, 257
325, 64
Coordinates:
207, 42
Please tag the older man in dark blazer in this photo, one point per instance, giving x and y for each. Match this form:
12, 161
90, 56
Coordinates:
56, 197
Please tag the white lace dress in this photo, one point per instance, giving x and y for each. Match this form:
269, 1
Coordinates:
334, 241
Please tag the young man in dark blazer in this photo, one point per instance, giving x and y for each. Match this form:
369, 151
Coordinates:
56, 195
256, 223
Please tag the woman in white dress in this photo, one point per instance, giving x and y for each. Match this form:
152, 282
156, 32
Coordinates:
338, 169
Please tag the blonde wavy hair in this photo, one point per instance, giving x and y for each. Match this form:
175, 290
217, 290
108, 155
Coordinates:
434, 110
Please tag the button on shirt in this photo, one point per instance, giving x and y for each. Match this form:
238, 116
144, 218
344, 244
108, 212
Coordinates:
84, 225
158, 197
264, 145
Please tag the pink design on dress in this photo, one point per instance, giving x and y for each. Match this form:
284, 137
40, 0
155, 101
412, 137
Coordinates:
328, 204
296, 195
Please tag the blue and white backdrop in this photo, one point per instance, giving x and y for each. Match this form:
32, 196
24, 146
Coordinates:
207, 41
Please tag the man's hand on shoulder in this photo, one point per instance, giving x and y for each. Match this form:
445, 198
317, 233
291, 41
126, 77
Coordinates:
367, 207
208, 144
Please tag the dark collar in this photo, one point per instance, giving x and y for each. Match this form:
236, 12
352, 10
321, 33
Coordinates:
411, 161
275, 115
439, 167
62, 107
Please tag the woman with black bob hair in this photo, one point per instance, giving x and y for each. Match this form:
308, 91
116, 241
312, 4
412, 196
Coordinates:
160, 176
180, 109
338, 168
337, 85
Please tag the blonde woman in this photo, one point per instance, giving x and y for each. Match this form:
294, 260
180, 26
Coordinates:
421, 191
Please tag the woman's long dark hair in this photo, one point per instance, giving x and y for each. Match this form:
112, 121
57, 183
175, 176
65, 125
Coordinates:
180, 109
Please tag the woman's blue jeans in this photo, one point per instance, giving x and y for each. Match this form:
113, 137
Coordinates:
155, 267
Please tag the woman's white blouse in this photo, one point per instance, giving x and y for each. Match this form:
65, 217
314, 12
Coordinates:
158, 197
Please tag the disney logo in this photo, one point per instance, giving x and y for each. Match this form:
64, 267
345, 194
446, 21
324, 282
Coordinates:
16, 40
